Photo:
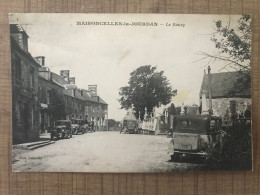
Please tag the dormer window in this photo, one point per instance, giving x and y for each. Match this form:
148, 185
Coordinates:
20, 36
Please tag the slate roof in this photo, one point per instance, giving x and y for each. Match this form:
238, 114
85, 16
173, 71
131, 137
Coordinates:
102, 101
17, 28
26, 54
222, 83
59, 79
78, 95
67, 92
86, 96
70, 86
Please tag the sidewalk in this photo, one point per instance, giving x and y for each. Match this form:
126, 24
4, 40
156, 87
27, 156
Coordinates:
44, 140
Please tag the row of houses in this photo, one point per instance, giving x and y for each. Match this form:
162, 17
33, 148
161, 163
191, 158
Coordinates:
39, 96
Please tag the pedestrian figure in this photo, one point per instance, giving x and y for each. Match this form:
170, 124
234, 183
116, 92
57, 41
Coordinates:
124, 125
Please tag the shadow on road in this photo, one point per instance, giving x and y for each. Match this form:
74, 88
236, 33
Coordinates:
192, 160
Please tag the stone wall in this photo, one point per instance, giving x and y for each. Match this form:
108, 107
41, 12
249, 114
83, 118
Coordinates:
221, 105
24, 95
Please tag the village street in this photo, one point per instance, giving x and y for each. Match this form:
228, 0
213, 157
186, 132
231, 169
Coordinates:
103, 151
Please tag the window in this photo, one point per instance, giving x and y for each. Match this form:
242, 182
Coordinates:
31, 78
18, 68
48, 97
184, 124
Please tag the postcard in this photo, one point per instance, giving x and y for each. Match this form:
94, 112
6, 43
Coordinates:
130, 92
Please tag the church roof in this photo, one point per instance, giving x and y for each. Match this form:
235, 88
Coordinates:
222, 84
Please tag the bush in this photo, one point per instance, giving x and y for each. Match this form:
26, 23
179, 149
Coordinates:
237, 149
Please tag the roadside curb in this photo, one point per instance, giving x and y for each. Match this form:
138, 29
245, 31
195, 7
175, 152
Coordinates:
33, 145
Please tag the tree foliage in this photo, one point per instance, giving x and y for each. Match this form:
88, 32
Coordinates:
237, 151
148, 88
234, 46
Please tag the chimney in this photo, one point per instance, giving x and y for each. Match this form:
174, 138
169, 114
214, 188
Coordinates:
210, 92
71, 80
93, 89
65, 74
204, 109
40, 60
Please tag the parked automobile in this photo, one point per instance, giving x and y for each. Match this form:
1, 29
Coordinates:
62, 129
196, 135
78, 126
129, 126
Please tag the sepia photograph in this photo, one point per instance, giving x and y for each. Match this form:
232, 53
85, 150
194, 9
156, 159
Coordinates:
130, 93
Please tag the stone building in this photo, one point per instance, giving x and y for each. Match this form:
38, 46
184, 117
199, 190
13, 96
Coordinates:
224, 100
82, 103
25, 104
52, 105
75, 103
96, 109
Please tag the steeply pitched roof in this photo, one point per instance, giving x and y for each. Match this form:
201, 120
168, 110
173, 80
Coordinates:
59, 79
78, 95
15, 45
102, 101
223, 83
67, 93
70, 86
17, 28
90, 96
86, 95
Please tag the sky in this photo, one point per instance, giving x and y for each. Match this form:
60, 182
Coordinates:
106, 54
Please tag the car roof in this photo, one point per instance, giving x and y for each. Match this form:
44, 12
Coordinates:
63, 121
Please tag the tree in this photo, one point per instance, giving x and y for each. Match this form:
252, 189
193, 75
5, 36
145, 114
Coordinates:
234, 46
147, 88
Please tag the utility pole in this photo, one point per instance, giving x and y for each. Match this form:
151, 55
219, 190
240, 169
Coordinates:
210, 91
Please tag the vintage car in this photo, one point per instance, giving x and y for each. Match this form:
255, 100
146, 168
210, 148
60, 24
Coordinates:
78, 126
61, 129
129, 126
196, 135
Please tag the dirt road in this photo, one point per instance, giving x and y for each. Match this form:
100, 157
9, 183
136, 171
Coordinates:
101, 152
